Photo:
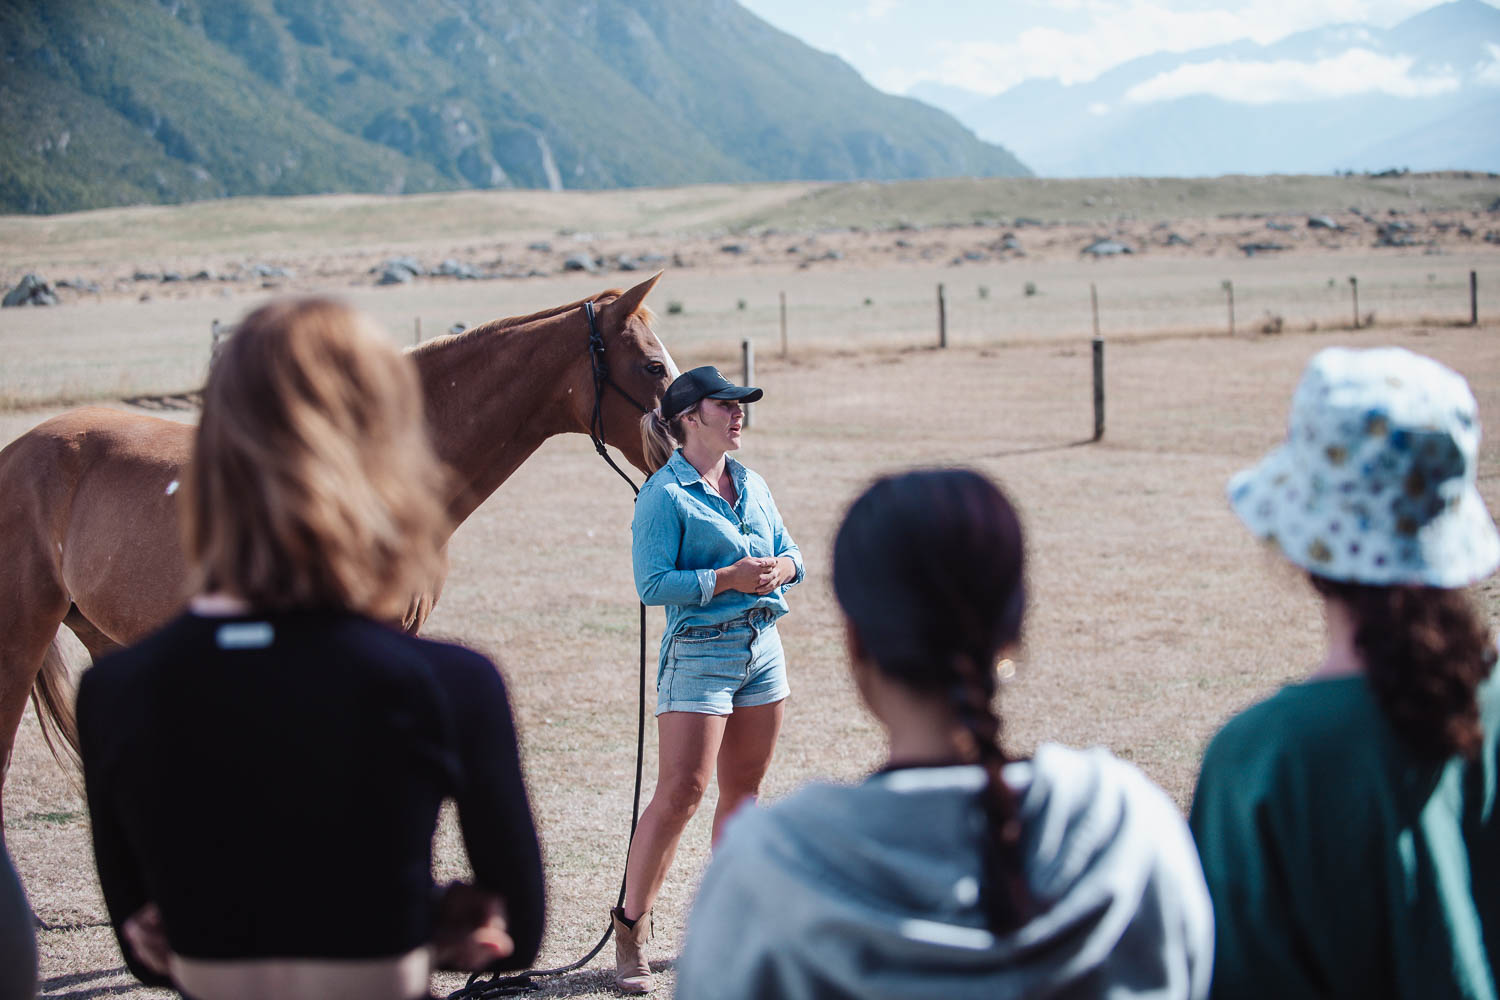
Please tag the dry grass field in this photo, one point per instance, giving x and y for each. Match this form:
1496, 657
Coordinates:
1154, 615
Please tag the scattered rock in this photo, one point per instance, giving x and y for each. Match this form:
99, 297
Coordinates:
1251, 249
1322, 222
147, 276
1106, 248
1395, 234
394, 276
267, 271
33, 290
974, 255
539, 247
1023, 221
410, 264
80, 285
1174, 240
734, 248
580, 262
205, 275
1280, 227
171, 276
452, 268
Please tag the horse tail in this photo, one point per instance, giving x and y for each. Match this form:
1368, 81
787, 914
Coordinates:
53, 696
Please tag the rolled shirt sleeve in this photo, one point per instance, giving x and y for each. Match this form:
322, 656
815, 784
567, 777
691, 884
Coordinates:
657, 531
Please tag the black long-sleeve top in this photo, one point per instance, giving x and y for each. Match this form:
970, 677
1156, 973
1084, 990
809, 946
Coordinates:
273, 783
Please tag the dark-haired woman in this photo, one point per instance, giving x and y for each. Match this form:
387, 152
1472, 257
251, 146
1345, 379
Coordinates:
709, 544
1347, 825
954, 871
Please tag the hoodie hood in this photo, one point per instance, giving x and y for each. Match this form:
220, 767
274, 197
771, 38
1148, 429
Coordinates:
876, 887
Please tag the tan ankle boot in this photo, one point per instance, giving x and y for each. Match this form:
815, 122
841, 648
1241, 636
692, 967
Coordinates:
632, 973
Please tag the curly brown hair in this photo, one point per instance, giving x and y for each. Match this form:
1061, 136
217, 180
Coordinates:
1426, 651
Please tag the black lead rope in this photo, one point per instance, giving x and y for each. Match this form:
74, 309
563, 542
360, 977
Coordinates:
518, 983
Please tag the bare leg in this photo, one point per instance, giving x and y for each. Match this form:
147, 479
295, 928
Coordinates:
744, 755
689, 743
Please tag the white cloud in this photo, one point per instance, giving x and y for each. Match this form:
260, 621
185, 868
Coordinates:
1115, 31
1099, 109
1489, 73
876, 9
1357, 71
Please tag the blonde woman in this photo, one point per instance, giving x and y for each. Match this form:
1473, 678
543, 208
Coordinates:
264, 773
709, 544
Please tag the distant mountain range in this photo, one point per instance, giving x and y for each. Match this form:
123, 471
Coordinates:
1423, 95
106, 102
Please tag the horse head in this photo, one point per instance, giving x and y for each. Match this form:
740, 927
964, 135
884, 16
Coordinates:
629, 374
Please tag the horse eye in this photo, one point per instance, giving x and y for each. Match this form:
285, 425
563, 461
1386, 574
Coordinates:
656, 368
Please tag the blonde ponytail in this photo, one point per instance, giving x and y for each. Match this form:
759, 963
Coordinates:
660, 436
657, 440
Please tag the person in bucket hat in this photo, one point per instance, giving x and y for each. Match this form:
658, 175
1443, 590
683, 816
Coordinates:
708, 543
1346, 824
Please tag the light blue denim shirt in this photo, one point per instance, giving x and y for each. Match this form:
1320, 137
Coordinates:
683, 531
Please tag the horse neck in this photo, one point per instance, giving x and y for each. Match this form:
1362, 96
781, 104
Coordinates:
493, 395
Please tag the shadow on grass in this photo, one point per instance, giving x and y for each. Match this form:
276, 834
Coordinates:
47, 986
584, 982
1040, 448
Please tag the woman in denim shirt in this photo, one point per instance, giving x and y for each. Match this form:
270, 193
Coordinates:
710, 546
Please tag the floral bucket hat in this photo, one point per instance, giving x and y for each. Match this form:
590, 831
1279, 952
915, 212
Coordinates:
1375, 483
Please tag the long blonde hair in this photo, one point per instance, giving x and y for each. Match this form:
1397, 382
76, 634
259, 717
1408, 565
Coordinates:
313, 482
660, 437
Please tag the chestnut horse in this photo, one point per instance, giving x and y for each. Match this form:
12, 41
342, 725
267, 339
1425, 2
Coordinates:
88, 520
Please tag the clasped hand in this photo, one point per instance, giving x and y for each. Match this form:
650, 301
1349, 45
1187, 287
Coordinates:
754, 574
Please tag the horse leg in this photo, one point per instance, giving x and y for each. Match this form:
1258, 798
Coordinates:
29, 619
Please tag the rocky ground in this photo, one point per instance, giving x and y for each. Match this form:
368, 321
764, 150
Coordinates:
566, 250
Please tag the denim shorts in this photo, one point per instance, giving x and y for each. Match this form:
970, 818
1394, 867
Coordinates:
715, 669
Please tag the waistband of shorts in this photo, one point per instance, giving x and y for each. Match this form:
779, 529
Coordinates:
755, 617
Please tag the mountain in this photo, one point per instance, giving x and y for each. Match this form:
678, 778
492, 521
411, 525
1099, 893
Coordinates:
1421, 95
106, 102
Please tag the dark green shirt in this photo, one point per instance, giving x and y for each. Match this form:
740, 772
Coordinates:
1342, 865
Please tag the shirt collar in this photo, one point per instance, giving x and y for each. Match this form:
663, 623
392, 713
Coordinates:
687, 475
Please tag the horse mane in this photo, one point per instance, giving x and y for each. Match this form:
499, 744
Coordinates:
643, 311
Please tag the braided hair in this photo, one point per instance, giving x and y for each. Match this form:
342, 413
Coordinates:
1425, 652
928, 569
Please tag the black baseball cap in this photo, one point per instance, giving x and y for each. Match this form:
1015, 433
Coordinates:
703, 383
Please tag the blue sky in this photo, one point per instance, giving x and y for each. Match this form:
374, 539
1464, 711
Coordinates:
991, 45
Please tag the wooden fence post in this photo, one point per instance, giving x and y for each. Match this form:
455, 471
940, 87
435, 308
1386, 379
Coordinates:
1098, 388
1094, 299
1473, 298
1229, 291
783, 325
747, 352
942, 317
1354, 291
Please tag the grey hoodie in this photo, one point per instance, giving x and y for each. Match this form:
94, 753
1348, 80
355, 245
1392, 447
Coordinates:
871, 891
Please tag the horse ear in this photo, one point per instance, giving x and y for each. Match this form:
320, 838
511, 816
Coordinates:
631, 300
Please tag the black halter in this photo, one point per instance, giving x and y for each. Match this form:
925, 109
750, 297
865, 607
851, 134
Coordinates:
602, 379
